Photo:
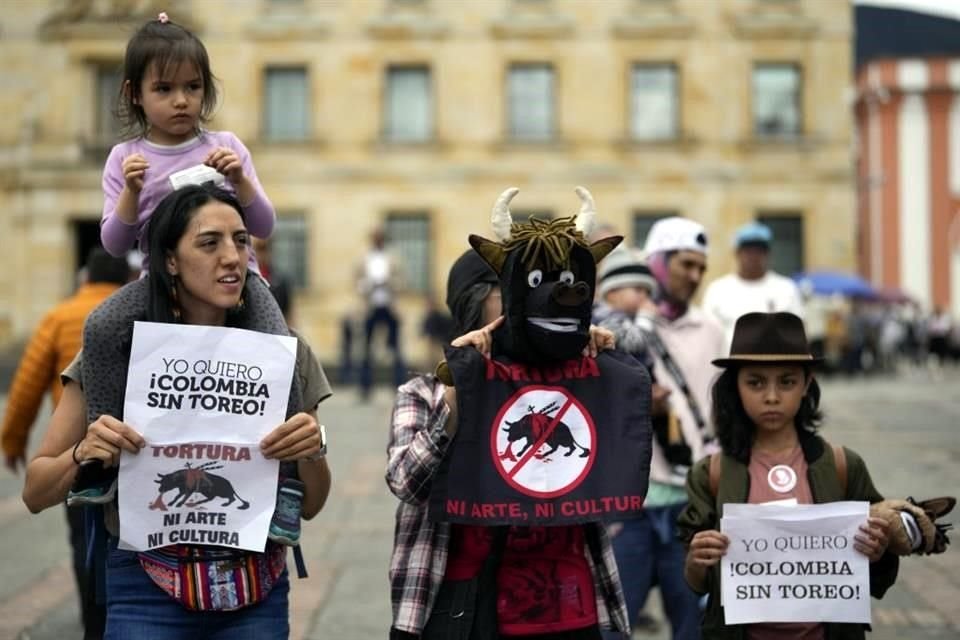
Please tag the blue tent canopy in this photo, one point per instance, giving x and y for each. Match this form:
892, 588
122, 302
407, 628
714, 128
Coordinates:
829, 283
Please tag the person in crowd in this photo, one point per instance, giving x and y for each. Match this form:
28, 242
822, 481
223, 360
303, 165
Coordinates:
939, 328
443, 577
199, 248
754, 286
766, 410
281, 285
684, 339
378, 282
51, 348
627, 291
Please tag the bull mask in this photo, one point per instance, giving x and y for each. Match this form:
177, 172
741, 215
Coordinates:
547, 274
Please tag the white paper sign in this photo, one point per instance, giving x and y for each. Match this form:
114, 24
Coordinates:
794, 564
203, 398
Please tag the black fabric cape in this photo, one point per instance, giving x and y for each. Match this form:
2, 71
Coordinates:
558, 444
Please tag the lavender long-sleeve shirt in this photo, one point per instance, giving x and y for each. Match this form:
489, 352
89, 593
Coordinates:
118, 237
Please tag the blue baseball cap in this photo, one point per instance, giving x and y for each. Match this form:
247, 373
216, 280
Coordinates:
752, 233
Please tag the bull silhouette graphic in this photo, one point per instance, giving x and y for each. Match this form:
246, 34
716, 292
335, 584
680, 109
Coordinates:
532, 427
191, 480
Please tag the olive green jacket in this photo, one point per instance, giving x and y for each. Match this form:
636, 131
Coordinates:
703, 512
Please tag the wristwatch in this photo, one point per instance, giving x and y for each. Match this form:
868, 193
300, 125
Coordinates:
315, 457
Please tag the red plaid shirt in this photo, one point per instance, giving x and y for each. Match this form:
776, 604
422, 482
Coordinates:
418, 443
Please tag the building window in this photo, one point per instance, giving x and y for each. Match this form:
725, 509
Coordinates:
776, 100
642, 223
286, 104
786, 252
408, 109
408, 237
106, 126
654, 104
288, 246
530, 94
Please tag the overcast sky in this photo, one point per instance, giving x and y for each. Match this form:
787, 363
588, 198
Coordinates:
948, 8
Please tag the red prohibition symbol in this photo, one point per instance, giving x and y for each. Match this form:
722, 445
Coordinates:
543, 441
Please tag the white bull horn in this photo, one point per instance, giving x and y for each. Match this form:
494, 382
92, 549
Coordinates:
587, 218
501, 218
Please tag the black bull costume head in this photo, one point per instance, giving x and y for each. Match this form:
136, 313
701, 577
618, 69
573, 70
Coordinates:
547, 274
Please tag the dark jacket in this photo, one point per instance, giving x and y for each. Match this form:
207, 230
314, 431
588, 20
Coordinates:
704, 511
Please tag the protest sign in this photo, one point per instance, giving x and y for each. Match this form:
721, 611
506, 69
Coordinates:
203, 398
559, 444
794, 564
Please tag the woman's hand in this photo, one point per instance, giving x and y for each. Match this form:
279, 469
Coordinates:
226, 161
873, 540
134, 168
600, 339
480, 339
707, 547
106, 438
296, 438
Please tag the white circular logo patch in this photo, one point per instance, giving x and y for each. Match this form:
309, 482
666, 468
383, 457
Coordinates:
782, 478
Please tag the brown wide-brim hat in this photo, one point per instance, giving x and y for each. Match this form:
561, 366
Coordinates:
769, 338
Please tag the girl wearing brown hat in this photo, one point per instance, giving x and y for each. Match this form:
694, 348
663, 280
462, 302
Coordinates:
766, 411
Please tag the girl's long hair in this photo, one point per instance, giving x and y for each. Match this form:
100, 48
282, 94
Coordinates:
468, 309
167, 225
167, 45
736, 431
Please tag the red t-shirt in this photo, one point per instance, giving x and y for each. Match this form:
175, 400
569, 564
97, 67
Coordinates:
544, 583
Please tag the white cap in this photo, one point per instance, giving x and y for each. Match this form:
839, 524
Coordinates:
676, 234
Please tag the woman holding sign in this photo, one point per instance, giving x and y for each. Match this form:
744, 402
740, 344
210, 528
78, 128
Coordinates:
766, 408
198, 267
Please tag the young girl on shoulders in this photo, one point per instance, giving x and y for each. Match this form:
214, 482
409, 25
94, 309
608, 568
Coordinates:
168, 94
766, 411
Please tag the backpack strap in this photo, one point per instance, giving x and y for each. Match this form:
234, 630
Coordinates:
715, 467
840, 462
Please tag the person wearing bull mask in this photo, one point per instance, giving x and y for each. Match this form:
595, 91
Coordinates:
444, 577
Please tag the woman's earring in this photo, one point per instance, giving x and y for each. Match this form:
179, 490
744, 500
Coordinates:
174, 300
241, 304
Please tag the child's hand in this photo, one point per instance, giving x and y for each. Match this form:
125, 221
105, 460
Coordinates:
707, 547
480, 339
134, 167
226, 161
600, 340
874, 539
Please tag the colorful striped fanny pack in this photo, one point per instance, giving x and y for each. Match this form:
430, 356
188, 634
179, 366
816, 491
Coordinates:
205, 579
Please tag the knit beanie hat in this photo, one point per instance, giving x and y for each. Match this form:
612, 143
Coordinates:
624, 268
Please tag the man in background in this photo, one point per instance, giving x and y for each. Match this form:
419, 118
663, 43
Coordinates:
754, 286
378, 282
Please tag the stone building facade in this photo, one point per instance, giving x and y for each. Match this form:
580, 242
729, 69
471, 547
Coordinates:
415, 114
